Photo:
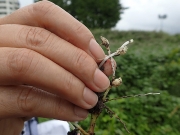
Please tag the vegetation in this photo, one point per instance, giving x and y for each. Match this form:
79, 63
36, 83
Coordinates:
93, 13
153, 57
152, 64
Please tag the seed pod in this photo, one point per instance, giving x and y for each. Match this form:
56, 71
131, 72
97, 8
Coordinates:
105, 42
117, 82
121, 50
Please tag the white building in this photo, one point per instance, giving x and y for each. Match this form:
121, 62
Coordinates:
8, 6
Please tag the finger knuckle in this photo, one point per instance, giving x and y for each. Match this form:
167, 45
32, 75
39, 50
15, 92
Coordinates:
34, 36
82, 31
24, 100
81, 60
19, 61
58, 108
69, 85
79, 27
43, 7
84, 63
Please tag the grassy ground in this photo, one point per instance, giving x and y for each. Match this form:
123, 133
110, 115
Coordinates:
145, 43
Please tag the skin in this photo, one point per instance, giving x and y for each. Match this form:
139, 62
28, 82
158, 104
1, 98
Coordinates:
48, 67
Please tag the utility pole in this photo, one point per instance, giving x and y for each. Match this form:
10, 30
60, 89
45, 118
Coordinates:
162, 17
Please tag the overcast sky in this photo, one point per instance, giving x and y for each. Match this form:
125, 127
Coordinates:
143, 15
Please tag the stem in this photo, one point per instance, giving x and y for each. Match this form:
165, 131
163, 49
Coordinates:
106, 58
111, 113
71, 126
129, 96
126, 43
106, 92
80, 128
115, 53
93, 123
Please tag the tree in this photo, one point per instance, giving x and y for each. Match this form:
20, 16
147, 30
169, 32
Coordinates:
93, 13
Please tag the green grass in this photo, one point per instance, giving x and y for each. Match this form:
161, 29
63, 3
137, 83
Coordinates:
40, 119
145, 43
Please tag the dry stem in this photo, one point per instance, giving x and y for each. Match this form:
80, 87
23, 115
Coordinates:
129, 96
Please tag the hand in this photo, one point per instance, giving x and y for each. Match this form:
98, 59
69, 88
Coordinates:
48, 66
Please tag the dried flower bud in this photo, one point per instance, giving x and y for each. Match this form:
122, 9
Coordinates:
105, 42
121, 50
131, 40
117, 82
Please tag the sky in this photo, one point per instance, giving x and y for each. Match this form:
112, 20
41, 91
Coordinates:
143, 15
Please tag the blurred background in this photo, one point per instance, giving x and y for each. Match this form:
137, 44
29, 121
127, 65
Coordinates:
143, 15
152, 63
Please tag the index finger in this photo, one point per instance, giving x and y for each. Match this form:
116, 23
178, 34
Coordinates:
47, 15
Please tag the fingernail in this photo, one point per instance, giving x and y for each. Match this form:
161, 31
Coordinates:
96, 50
101, 80
82, 113
90, 97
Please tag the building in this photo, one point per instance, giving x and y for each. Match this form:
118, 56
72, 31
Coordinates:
8, 6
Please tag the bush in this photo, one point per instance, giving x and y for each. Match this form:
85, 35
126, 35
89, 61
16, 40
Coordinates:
151, 67
150, 115
152, 64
